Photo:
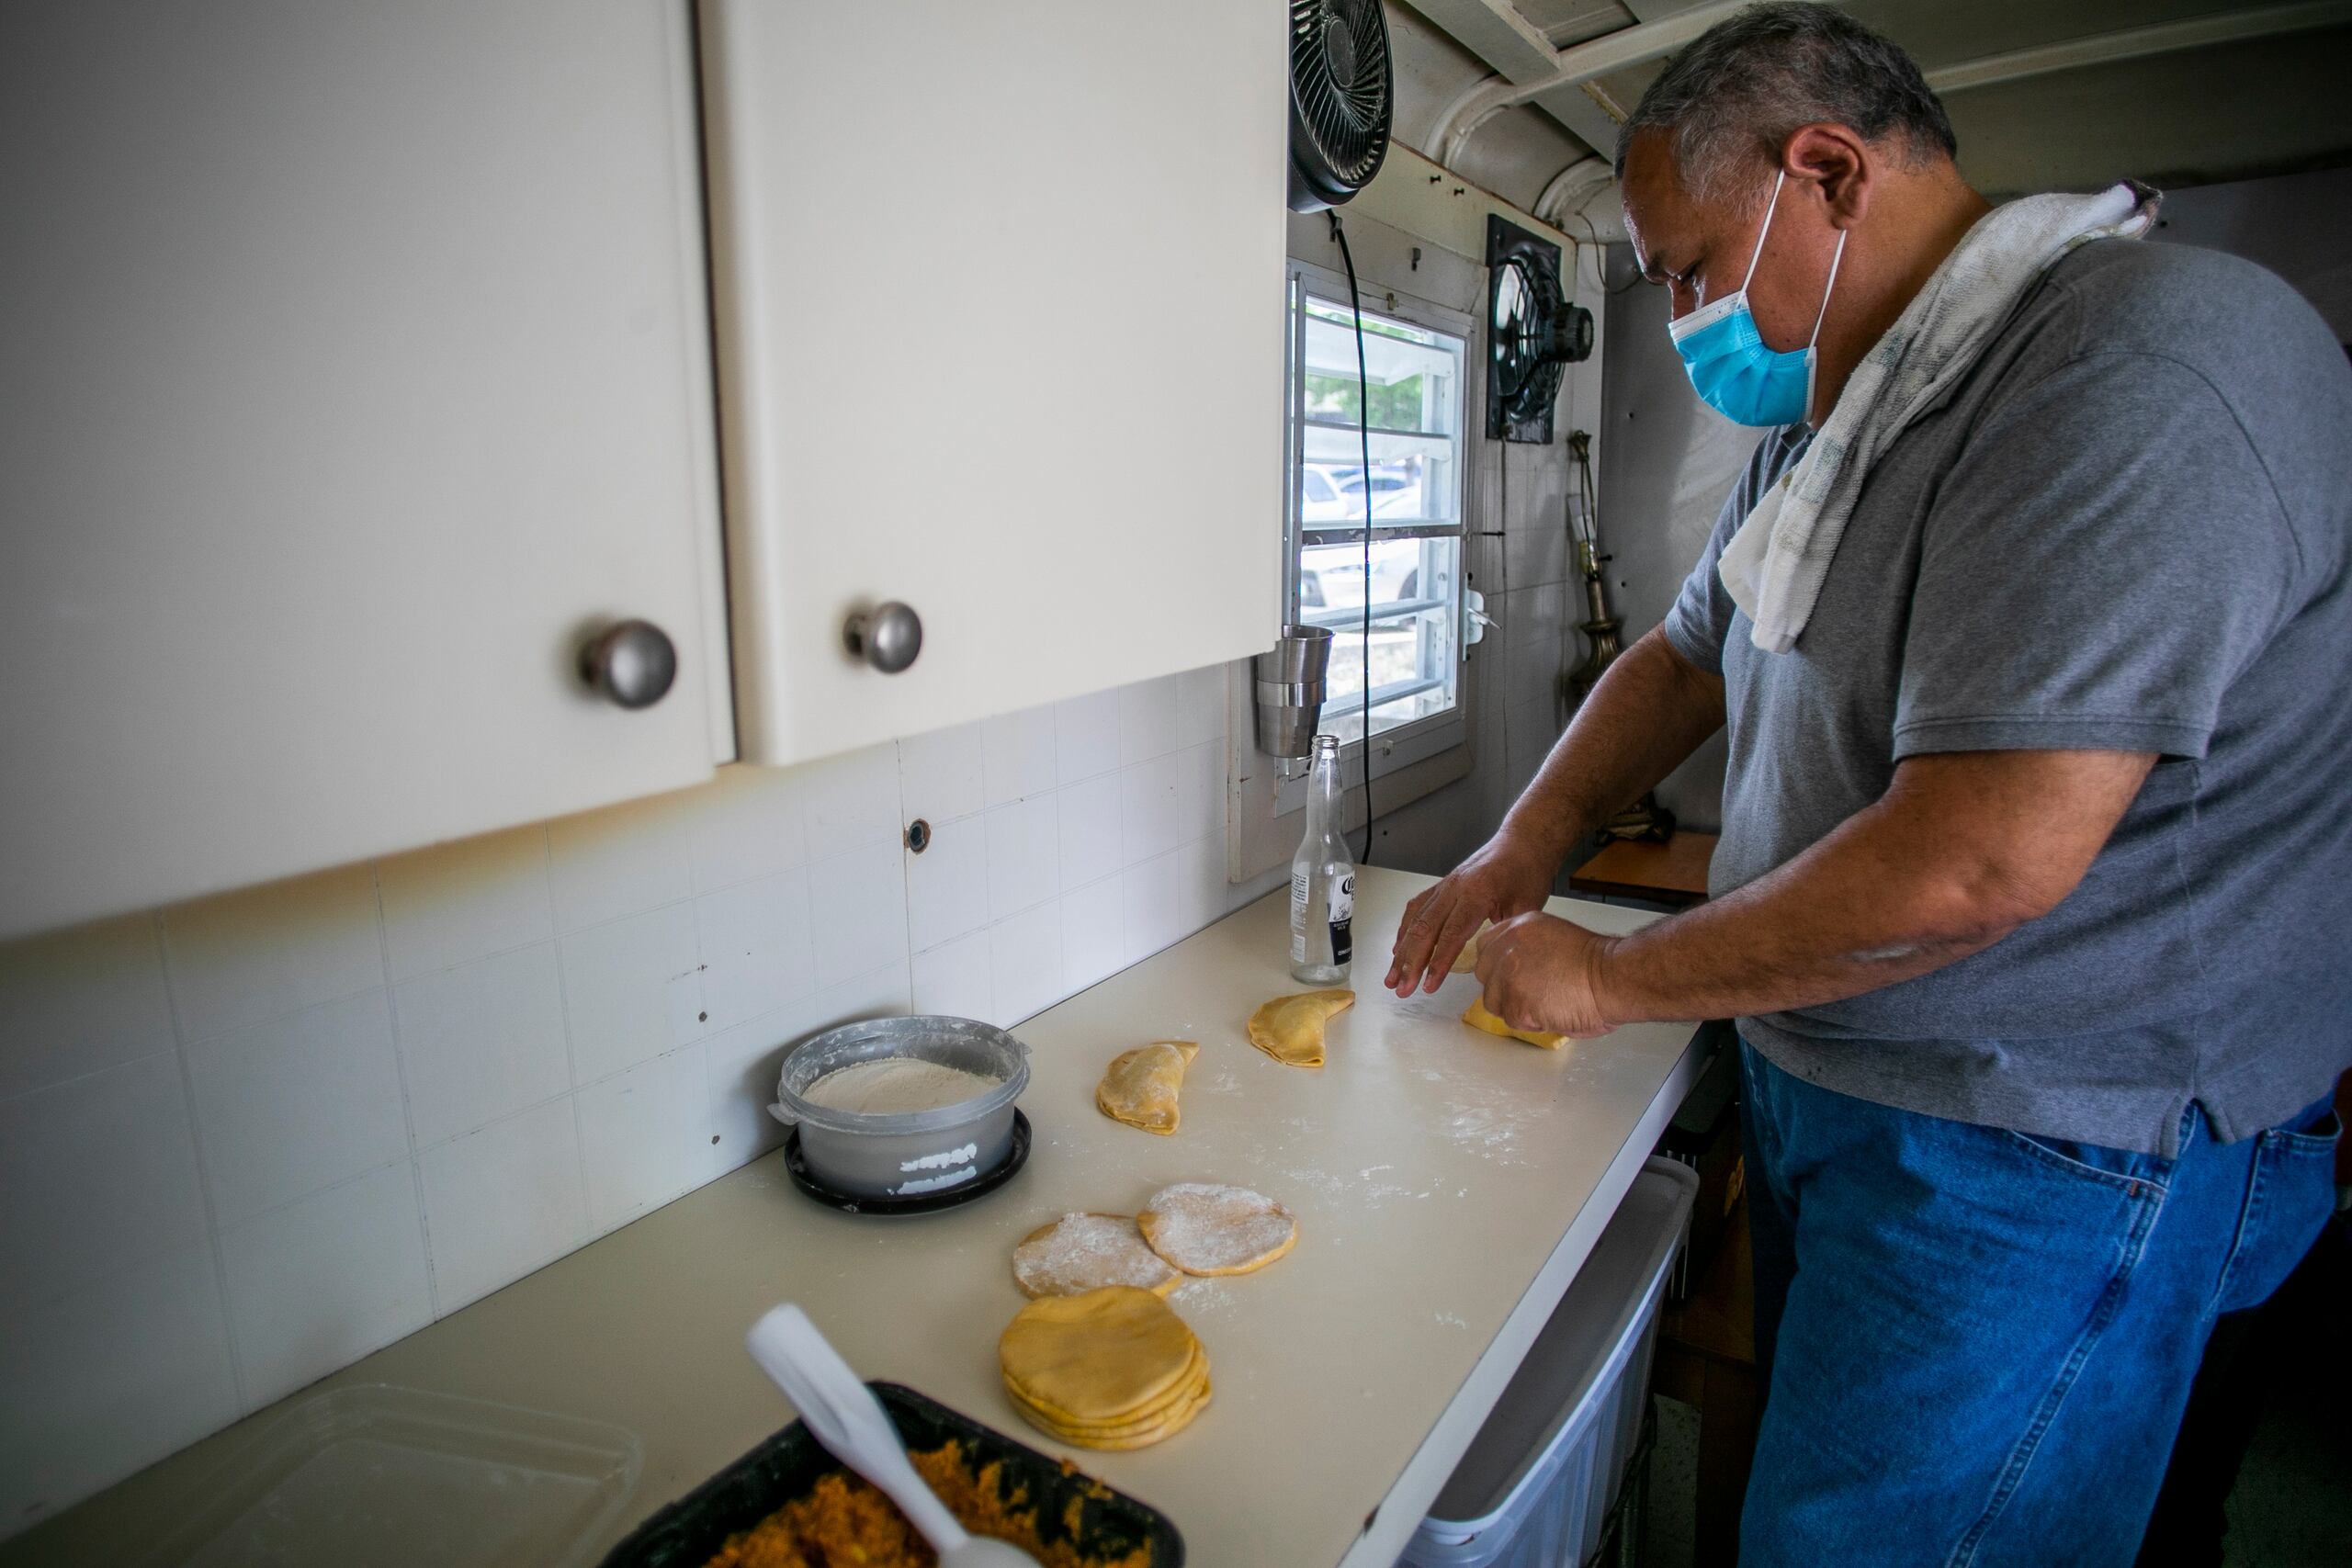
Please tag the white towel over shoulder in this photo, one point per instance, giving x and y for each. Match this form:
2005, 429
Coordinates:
1774, 565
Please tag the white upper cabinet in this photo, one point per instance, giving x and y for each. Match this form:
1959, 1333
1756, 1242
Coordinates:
354, 358
1000, 304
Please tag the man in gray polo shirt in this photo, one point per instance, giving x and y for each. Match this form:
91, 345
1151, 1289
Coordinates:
2034, 895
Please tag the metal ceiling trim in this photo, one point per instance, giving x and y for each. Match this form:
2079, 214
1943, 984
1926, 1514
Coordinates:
2134, 44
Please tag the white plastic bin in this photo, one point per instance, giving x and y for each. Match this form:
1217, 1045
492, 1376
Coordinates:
1535, 1486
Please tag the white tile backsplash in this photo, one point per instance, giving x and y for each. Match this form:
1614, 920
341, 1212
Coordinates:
956, 977
249, 1139
940, 776
857, 906
1026, 960
1018, 754
853, 800
456, 902
111, 1379
1024, 855
1094, 932
481, 1041
1151, 719
1091, 845
642, 1137
287, 1107
319, 1283
755, 947
254, 954
624, 860
502, 1201
80, 1001
1151, 810
632, 990
96, 1175
749, 823
947, 885
1086, 736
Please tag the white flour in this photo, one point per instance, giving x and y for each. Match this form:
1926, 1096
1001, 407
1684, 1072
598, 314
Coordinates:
896, 1084
1205, 1228
1085, 1252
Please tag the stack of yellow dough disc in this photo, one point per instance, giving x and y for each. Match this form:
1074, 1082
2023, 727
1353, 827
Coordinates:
1111, 1369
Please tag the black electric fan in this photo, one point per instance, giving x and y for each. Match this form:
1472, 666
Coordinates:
1342, 91
1533, 331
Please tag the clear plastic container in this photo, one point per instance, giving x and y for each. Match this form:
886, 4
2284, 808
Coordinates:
374, 1476
1535, 1487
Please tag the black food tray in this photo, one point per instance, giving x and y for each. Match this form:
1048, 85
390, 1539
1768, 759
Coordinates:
789, 1465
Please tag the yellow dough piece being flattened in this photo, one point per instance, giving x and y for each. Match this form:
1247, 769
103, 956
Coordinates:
1140, 1086
1208, 1229
1085, 1252
1109, 1358
1479, 1018
1290, 1029
1467, 960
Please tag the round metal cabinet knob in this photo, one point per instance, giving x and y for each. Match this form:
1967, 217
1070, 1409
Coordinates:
631, 664
887, 637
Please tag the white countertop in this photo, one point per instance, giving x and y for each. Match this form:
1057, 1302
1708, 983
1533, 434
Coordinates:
1448, 1186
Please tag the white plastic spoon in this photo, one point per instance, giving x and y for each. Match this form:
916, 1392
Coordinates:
850, 1423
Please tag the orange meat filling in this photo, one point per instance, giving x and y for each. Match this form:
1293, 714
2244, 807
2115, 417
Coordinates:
844, 1523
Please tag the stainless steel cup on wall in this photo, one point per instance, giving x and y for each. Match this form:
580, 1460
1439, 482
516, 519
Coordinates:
1290, 691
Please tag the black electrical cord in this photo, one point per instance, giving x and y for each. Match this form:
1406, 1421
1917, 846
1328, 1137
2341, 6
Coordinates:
1363, 434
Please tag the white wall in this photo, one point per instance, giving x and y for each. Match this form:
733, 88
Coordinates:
246, 1140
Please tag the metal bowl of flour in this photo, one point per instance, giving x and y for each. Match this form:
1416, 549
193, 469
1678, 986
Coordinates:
913, 1153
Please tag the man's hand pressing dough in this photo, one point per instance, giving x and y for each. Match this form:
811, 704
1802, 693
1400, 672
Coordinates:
1539, 973
1501, 880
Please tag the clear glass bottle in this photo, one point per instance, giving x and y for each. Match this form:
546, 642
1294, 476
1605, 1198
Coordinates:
1322, 879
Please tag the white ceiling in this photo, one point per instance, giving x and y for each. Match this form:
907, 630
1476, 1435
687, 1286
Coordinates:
2043, 94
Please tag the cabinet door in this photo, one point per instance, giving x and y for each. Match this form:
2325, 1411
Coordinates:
355, 370
1001, 337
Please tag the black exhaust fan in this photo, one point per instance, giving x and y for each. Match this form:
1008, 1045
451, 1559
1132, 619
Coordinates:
1533, 330
1342, 91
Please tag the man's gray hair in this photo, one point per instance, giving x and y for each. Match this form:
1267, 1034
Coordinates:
1738, 90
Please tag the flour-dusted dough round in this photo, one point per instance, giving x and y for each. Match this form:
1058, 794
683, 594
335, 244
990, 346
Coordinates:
1203, 1228
1085, 1252
1101, 1361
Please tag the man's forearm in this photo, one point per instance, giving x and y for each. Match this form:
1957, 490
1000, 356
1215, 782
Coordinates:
1649, 710
1963, 850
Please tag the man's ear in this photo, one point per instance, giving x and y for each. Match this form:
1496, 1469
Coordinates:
1839, 166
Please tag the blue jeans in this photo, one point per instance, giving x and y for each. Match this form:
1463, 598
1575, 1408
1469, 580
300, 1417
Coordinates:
1976, 1345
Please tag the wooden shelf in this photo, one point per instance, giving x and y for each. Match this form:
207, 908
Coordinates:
1673, 873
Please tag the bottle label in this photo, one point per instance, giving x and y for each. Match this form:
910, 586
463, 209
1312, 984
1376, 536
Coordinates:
1298, 917
1343, 910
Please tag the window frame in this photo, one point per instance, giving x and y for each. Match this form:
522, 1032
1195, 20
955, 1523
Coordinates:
1419, 739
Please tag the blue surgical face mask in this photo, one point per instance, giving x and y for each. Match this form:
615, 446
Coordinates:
1734, 370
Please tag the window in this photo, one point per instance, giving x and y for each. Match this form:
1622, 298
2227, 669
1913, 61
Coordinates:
1412, 387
